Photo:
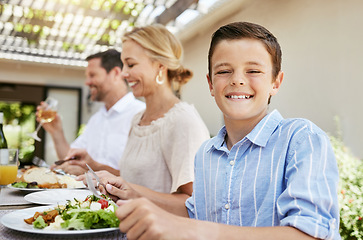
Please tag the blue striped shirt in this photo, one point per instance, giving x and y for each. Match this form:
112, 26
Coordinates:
283, 173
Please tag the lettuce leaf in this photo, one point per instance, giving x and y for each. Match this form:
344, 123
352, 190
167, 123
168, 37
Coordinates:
88, 219
39, 222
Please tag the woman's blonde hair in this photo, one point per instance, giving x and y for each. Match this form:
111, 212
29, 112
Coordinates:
164, 47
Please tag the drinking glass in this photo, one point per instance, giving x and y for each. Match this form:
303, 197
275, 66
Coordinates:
46, 114
9, 162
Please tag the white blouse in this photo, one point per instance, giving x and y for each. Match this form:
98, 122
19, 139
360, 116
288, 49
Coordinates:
160, 156
105, 135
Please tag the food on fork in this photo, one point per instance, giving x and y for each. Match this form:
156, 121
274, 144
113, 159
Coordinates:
41, 177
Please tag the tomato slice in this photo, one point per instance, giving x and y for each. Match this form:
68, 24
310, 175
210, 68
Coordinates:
104, 203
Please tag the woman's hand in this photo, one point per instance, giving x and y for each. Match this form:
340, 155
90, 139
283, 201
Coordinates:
117, 188
100, 174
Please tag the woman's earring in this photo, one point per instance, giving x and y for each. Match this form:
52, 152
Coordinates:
159, 79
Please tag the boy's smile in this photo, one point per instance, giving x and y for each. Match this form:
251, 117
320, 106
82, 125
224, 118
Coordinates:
238, 96
241, 79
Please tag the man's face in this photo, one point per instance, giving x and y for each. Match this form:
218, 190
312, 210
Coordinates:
97, 79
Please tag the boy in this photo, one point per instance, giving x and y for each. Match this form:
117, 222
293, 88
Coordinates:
272, 178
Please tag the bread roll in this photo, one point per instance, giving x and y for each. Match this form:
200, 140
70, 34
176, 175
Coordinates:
70, 182
46, 178
40, 175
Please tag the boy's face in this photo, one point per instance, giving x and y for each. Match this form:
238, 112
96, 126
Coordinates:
241, 79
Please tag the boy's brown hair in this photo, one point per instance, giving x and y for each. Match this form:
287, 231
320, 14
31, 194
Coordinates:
239, 30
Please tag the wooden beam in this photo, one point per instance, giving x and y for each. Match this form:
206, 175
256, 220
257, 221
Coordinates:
174, 11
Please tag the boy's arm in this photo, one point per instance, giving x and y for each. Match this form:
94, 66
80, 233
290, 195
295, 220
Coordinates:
173, 203
141, 219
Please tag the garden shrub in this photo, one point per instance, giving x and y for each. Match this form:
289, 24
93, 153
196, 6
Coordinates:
350, 192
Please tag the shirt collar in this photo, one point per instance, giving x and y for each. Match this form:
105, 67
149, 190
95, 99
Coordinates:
120, 105
259, 135
264, 129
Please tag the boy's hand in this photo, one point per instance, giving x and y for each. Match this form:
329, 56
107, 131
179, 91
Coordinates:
141, 219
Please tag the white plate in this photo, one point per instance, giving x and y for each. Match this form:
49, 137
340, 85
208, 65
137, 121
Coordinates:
38, 189
15, 221
56, 196
26, 189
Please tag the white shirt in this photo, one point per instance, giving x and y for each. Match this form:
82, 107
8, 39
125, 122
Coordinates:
160, 156
105, 135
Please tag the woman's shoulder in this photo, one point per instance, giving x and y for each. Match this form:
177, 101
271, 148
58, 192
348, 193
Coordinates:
184, 110
183, 113
185, 117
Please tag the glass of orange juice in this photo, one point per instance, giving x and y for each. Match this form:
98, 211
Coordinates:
9, 162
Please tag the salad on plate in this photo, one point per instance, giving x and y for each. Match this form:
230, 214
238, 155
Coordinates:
90, 213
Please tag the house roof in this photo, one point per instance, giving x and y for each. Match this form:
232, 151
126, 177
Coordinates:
67, 31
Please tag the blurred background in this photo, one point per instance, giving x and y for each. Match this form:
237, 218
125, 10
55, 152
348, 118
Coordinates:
43, 44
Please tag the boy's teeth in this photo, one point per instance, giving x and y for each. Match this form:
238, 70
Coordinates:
239, 97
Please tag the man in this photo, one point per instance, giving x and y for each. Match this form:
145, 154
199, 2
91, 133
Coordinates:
106, 133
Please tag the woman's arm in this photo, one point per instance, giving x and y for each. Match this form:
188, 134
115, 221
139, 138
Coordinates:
174, 203
118, 188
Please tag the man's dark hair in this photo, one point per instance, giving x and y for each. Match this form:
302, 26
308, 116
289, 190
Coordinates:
109, 59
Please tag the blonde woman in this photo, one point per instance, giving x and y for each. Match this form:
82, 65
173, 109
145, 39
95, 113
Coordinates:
159, 157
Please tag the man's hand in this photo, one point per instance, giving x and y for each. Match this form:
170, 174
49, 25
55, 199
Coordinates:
70, 168
53, 127
76, 162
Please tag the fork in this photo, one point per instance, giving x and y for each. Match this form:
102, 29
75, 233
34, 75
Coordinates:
91, 186
96, 177
41, 163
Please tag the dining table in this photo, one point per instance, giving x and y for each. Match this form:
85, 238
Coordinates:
13, 200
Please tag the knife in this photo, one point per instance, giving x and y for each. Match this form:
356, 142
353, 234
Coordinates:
60, 162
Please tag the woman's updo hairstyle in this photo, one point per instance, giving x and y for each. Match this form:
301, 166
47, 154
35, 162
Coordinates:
164, 47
